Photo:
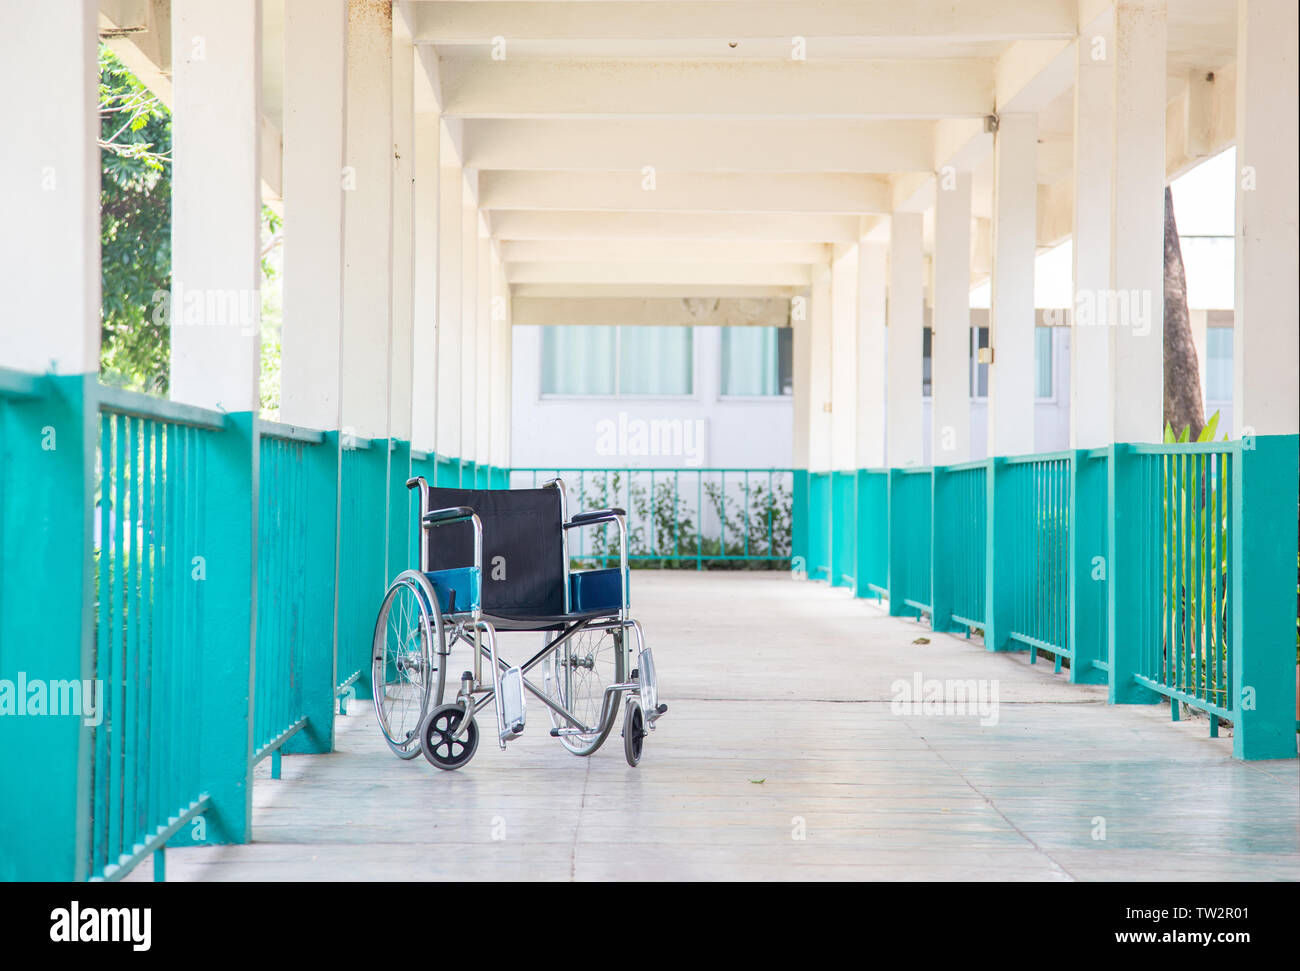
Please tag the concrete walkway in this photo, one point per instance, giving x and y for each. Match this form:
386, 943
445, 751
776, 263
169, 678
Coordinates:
781, 727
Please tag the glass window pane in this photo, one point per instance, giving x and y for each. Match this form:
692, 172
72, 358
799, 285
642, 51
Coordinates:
927, 361
655, 360
979, 337
1043, 360
578, 360
751, 360
1218, 364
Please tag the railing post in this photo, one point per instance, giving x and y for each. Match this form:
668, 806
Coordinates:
1087, 518
799, 523
1129, 595
226, 564
401, 555
942, 550
46, 499
894, 555
1261, 569
843, 528
321, 552
999, 558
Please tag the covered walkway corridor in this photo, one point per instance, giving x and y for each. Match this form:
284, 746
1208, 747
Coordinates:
787, 756
189, 578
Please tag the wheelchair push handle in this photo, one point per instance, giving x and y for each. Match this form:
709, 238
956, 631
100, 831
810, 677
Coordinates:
414, 481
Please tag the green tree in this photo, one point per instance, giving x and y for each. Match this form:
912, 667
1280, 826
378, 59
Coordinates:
135, 228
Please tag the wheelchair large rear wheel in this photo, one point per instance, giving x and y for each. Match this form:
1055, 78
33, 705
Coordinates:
578, 672
405, 670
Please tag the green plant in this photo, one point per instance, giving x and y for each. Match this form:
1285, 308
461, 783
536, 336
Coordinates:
662, 528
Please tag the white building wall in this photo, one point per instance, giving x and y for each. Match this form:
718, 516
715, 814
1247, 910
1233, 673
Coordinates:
564, 431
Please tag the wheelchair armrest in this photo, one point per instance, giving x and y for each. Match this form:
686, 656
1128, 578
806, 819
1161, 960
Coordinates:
593, 516
452, 514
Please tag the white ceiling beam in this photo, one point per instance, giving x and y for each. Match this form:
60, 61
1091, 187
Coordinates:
651, 311
638, 191
724, 274
510, 224
660, 251
453, 23
1033, 73
478, 87
673, 290
699, 146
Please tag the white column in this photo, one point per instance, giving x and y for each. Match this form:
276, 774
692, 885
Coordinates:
469, 318
801, 366
501, 372
367, 245
1136, 319
1094, 150
844, 362
873, 283
1267, 317
950, 339
819, 384
424, 337
483, 363
315, 88
450, 218
1011, 329
216, 204
906, 293
403, 240
49, 247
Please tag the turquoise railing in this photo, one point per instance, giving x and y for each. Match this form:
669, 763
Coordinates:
1186, 539
363, 563
1163, 571
149, 566
206, 611
681, 517
844, 509
909, 543
872, 539
959, 545
1040, 490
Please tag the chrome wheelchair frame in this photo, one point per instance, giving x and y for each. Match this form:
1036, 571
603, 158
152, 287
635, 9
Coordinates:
446, 732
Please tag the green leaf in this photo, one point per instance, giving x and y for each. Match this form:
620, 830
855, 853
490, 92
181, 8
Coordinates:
1169, 434
1211, 426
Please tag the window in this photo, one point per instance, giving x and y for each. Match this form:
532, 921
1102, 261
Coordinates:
1218, 364
756, 361
979, 373
927, 362
585, 360
1044, 362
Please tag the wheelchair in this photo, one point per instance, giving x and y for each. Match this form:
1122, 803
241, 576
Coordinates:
497, 561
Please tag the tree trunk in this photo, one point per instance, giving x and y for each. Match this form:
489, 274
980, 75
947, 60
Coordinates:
1183, 407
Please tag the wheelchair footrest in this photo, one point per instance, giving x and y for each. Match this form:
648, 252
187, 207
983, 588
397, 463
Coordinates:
511, 704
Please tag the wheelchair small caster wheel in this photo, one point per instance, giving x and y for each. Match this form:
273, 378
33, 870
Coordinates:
634, 732
438, 741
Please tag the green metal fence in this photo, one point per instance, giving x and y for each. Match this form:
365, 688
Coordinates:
1040, 490
959, 545
910, 529
192, 588
706, 518
1164, 571
149, 569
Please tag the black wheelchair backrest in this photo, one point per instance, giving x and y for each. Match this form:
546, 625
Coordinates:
523, 546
